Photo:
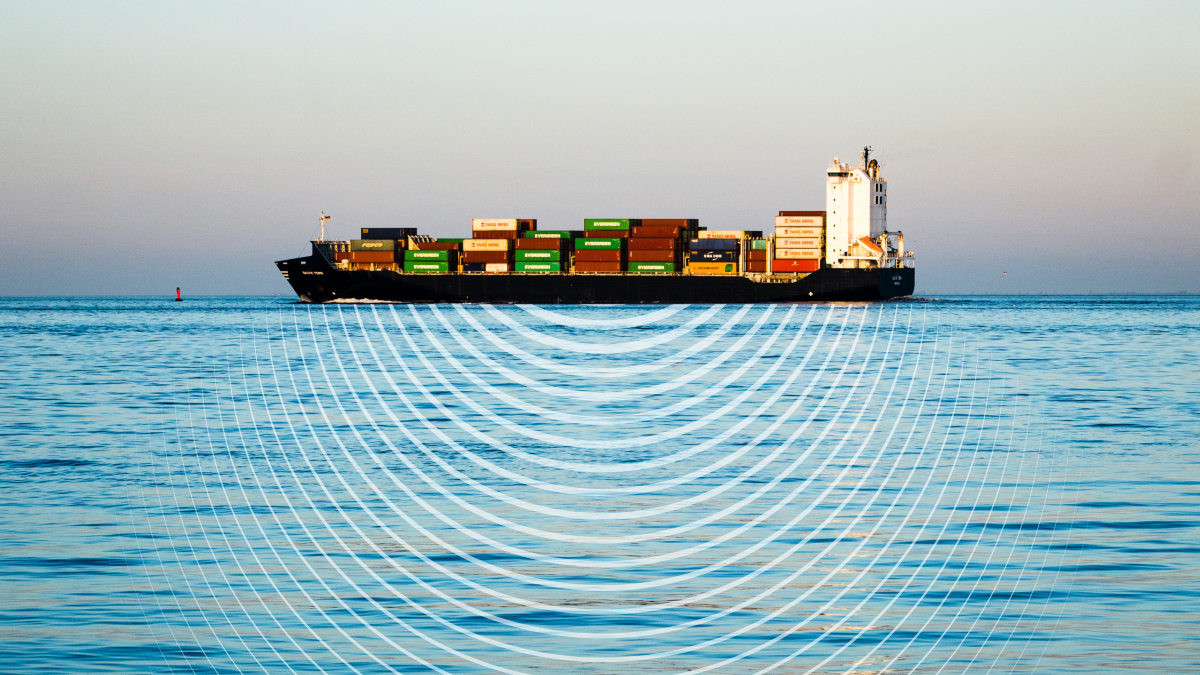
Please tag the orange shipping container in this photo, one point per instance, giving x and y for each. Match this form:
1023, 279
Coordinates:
598, 256
372, 257
648, 243
652, 255
757, 265
597, 266
795, 265
757, 255
660, 232
495, 234
607, 234
685, 223
485, 256
527, 244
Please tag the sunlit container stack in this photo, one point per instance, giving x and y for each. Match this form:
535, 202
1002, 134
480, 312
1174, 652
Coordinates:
799, 241
655, 246
542, 254
424, 255
487, 255
717, 252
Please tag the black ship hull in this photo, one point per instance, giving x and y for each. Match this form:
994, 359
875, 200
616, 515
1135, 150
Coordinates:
315, 280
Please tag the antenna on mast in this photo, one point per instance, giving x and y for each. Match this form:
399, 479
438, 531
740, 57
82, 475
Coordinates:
866, 155
323, 219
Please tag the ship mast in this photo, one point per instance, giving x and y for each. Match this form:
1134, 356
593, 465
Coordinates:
323, 219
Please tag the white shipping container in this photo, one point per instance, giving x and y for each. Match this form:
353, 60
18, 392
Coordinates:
799, 232
495, 267
810, 242
800, 221
485, 244
494, 224
722, 234
798, 254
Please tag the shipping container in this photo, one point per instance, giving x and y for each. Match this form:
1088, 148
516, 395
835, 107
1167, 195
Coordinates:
799, 242
387, 232
651, 267
655, 232
799, 253
485, 245
597, 244
757, 245
611, 234
547, 234
652, 255
713, 245
538, 256
723, 234
795, 266
495, 234
485, 256
712, 268
427, 256
757, 265
652, 244
609, 223
781, 232
599, 256
341, 256
373, 267
540, 244
810, 220
594, 267
426, 267
756, 255
372, 245
473, 267
539, 267
450, 240
713, 256
681, 223
372, 256
497, 267
494, 224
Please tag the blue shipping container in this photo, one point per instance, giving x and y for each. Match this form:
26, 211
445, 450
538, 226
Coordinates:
713, 244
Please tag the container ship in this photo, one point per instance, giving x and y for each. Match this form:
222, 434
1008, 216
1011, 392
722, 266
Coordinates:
844, 252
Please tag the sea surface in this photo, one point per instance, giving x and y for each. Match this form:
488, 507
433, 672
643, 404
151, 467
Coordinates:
951, 484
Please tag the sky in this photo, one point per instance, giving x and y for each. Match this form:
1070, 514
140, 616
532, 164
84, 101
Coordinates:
1040, 147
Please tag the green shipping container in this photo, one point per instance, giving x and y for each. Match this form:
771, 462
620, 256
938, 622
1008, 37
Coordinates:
427, 256
606, 223
419, 267
758, 244
372, 244
452, 241
597, 244
543, 267
651, 268
547, 234
538, 256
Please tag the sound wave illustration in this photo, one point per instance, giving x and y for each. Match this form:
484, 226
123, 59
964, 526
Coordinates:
687, 489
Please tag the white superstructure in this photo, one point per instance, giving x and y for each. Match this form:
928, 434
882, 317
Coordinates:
856, 207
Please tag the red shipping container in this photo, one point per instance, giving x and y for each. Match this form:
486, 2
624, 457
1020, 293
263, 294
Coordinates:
654, 244
598, 256
524, 244
757, 265
652, 255
495, 234
757, 255
655, 232
685, 223
485, 256
597, 266
795, 265
372, 257
607, 234
802, 213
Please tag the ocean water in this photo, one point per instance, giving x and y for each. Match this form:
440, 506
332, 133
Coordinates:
952, 484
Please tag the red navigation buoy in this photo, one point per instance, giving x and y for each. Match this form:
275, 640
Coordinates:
178, 298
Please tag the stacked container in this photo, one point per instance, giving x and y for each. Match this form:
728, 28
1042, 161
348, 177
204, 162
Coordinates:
431, 257
656, 246
487, 255
541, 255
596, 254
756, 255
370, 254
717, 254
501, 228
799, 241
